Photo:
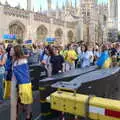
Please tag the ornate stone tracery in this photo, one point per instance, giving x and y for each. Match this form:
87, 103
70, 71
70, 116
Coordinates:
13, 11
41, 33
58, 33
18, 29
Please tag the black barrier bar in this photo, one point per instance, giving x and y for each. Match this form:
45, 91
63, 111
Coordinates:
102, 83
37, 72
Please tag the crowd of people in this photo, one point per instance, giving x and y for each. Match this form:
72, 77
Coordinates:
15, 61
59, 59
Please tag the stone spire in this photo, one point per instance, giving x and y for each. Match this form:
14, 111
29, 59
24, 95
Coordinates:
57, 6
18, 6
70, 3
113, 8
63, 6
49, 4
29, 5
40, 8
75, 3
6, 2
67, 4
33, 9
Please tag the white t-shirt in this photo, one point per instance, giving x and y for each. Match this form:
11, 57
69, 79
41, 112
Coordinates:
87, 59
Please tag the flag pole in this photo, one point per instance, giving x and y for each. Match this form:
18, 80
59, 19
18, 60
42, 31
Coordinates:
13, 102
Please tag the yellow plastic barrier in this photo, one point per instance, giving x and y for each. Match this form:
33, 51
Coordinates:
91, 107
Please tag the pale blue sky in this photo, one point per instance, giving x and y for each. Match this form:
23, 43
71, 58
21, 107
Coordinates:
37, 3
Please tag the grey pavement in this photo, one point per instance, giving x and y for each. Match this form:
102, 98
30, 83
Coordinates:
5, 108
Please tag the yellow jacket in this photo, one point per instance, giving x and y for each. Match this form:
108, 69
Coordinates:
63, 53
71, 56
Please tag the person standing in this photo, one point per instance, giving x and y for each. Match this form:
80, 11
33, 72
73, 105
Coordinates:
22, 78
87, 57
81, 55
57, 61
3, 58
8, 73
70, 58
118, 53
104, 60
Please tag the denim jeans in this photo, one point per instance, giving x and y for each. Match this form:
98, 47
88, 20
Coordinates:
70, 66
1, 86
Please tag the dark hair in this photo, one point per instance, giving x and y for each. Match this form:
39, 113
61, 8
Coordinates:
58, 49
8, 49
68, 46
34, 46
50, 50
19, 53
83, 45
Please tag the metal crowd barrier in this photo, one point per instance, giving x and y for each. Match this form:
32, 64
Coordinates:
46, 89
88, 107
102, 82
37, 73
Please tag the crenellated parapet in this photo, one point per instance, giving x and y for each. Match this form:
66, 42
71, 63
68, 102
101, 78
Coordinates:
71, 24
46, 19
58, 22
41, 17
14, 11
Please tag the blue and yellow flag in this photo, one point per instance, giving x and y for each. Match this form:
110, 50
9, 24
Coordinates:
104, 61
21, 72
8, 76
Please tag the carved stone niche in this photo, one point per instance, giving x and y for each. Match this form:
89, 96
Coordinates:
41, 32
58, 33
18, 29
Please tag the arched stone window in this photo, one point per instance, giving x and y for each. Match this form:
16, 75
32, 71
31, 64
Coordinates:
41, 33
18, 29
70, 36
58, 33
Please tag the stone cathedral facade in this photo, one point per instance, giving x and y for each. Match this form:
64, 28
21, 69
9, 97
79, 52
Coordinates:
113, 19
85, 20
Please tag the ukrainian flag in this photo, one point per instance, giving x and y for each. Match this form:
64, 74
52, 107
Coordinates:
8, 76
7, 90
21, 73
104, 61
